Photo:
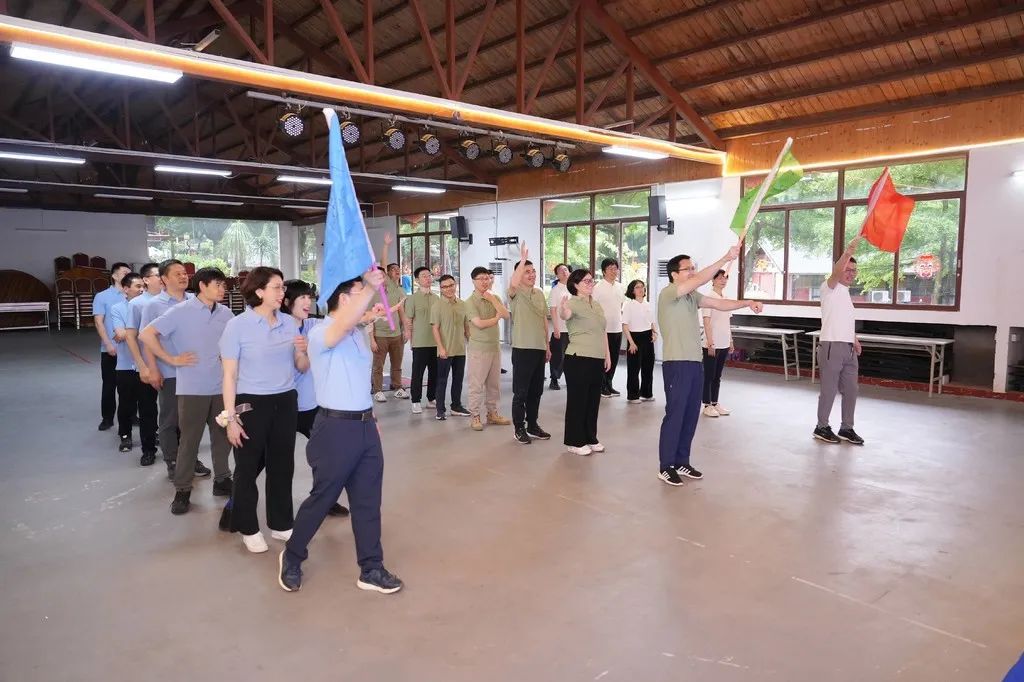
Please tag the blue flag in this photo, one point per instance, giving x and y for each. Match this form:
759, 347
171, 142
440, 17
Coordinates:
347, 250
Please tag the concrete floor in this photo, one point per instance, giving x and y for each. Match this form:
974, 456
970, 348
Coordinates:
792, 560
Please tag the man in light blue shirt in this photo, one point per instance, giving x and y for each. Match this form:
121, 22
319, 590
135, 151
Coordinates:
128, 384
162, 375
345, 449
194, 327
101, 305
147, 395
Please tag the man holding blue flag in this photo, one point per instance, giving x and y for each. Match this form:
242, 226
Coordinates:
344, 451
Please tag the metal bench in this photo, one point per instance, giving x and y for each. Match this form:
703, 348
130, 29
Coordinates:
780, 335
935, 348
34, 307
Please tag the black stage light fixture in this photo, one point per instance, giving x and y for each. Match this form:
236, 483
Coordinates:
469, 149
349, 133
561, 162
534, 157
291, 124
429, 144
502, 152
394, 138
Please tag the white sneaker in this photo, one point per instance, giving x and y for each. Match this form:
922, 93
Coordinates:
255, 543
585, 450
431, 404
721, 409
285, 535
417, 408
401, 393
596, 447
380, 397
634, 401
710, 411
648, 400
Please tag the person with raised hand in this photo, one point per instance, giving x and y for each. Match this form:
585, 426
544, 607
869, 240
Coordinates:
529, 349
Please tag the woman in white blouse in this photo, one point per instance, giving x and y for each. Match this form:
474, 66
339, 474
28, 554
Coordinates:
718, 345
640, 332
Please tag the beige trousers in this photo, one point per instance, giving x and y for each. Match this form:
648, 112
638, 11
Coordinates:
483, 369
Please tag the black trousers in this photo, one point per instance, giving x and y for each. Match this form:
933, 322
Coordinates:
584, 380
344, 454
136, 397
304, 421
527, 385
614, 346
713, 366
640, 367
270, 445
558, 345
423, 359
456, 364
108, 395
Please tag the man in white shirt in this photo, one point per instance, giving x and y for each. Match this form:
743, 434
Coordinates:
838, 350
610, 294
559, 336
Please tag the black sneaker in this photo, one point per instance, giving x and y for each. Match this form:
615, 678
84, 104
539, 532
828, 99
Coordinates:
181, 502
201, 470
440, 417
554, 386
459, 411
605, 393
850, 436
225, 519
147, 459
689, 472
536, 432
824, 433
222, 488
337, 510
522, 436
379, 580
289, 575
170, 471
105, 425
670, 477
612, 391
125, 445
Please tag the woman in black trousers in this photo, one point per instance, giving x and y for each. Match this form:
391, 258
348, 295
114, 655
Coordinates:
641, 333
586, 361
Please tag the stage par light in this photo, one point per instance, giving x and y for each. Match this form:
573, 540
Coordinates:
349, 133
394, 138
561, 162
534, 157
502, 152
291, 124
469, 149
429, 144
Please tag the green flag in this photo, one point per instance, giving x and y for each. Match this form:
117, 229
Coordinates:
789, 174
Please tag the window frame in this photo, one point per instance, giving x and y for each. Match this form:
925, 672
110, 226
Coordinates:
426, 235
839, 239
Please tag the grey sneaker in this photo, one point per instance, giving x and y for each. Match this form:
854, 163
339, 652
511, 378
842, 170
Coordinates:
379, 580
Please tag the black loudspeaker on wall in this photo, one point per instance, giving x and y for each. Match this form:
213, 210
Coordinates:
658, 214
460, 228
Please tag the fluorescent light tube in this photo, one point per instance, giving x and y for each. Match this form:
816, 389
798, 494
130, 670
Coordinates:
41, 158
305, 208
440, 216
192, 170
130, 197
304, 180
102, 65
636, 153
417, 188
14, 190
218, 203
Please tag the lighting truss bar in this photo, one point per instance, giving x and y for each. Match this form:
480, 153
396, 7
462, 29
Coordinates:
218, 202
129, 197
276, 79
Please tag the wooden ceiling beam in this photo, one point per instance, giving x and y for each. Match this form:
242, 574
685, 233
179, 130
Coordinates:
474, 49
334, 21
239, 31
429, 47
114, 20
549, 58
595, 106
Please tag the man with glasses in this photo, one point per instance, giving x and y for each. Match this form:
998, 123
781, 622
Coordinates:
424, 347
559, 337
682, 363
485, 311
610, 294
529, 349
450, 328
147, 394
102, 304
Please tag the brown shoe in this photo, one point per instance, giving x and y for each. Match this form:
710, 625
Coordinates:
497, 419
475, 423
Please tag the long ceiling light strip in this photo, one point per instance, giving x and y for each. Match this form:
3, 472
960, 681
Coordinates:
303, 180
272, 202
191, 170
102, 65
41, 158
272, 78
418, 188
126, 197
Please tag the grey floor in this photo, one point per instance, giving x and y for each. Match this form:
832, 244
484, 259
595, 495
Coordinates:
792, 560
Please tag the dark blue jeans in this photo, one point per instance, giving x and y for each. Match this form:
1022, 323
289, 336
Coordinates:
343, 453
684, 382
456, 364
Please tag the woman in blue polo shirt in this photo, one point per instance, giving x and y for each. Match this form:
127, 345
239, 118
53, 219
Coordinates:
260, 350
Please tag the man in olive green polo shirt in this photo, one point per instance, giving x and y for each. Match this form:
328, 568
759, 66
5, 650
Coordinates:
388, 342
682, 362
450, 328
485, 311
529, 349
424, 348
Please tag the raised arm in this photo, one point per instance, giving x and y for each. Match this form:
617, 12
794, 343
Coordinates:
844, 260
517, 274
704, 276
728, 304
388, 240
346, 317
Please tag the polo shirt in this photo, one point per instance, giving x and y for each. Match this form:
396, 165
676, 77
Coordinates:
450, 319
558, 294
481, 339
265, 352
101, 305
304, 380
610, 295
341, 375
418, 307
678, 325
381, 326
586, 329
721, 322
837, 314
119, 314
157, 306
194, 328
636, 315
136, 306
529, 310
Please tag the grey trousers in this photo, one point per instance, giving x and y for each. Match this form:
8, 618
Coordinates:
196, 412
168, 421
837, 367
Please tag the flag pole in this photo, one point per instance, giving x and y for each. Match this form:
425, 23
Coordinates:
762, 190
381, 290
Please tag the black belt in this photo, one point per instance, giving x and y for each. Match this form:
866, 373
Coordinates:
363, 416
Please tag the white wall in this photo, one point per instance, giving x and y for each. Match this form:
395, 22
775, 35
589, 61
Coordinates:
288, 242
32, 238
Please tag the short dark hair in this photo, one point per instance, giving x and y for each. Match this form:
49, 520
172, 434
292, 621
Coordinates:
258, 278
293, 289
607, 263
343, 288
445, 278
575, 278
718, 273
673, 265
118, 264
166, 265
147, 269
630, 293
207, 275
561, 265
416, 273
853, 260
127, 280
479, 270
524, 264
393, 265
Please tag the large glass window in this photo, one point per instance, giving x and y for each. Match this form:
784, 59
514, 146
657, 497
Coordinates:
231, 245
308, 247
799, 234
425, 240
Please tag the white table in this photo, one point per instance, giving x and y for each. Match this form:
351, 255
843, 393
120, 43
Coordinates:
780, 335
935, 348
34, 307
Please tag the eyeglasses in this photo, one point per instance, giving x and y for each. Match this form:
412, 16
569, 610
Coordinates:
587, 280
448, 286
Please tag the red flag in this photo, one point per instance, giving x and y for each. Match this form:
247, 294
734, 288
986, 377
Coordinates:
888, 214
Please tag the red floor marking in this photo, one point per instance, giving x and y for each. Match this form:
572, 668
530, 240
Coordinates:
75, 355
